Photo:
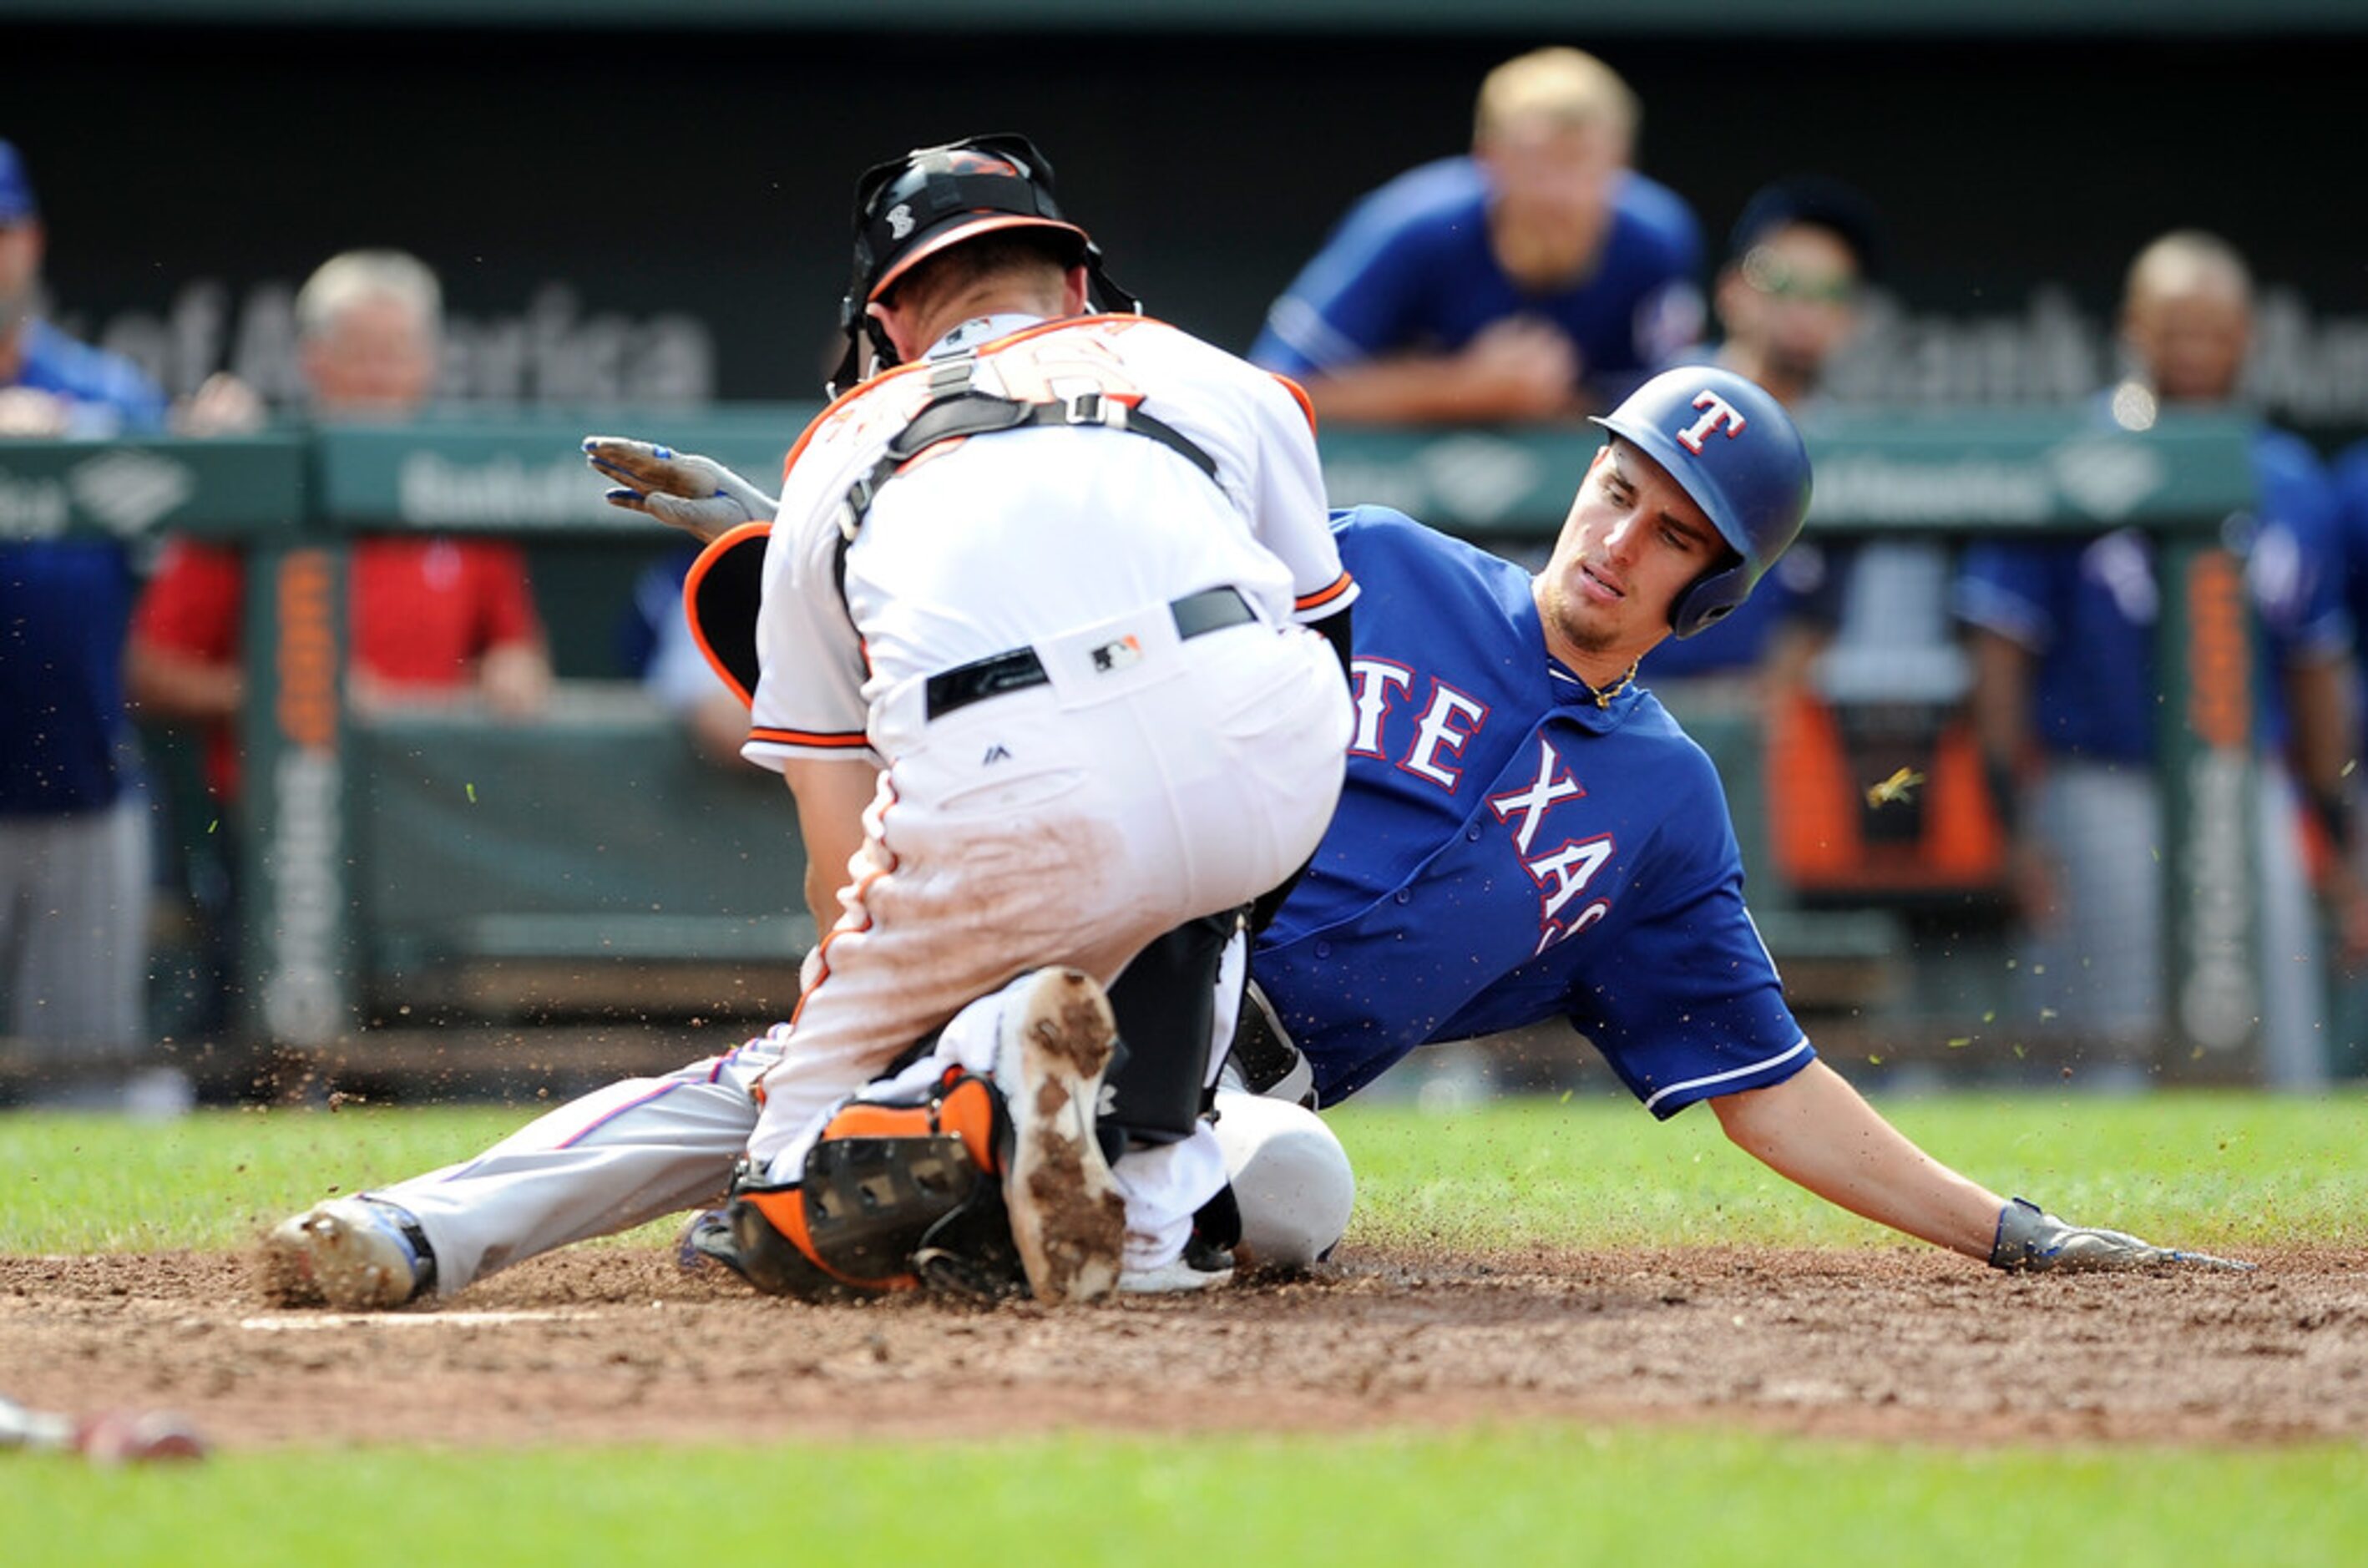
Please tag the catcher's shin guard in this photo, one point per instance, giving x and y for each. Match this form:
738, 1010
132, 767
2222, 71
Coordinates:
890, 1196
1166, 1003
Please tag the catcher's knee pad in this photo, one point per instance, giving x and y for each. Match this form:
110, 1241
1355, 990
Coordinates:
1291, 1179
883, 1185
1166, 1000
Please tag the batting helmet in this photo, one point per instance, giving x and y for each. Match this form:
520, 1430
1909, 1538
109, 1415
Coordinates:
932, 199
1732, 448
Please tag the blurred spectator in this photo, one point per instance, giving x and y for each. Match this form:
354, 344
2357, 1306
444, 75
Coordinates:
2065, 694
1845, 657
1536, 278
674, 670
430, 618
1787, 300
73, 834
2351, 512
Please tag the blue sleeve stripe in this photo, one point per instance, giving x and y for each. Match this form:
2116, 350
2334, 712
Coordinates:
1730, 1074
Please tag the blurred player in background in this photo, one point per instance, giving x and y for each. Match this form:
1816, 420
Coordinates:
2066, 691
1536, 278
2350, 1043
1787, 300
660, 650
431, 618
73, 836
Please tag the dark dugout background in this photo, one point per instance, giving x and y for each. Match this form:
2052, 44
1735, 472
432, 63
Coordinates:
706, 172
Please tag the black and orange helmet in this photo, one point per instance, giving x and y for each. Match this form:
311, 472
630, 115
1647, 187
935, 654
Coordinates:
932, 199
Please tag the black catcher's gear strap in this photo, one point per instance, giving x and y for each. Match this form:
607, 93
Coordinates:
726, 583
956, 410
1263, 1052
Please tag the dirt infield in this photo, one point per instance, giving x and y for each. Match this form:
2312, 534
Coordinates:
616, 1345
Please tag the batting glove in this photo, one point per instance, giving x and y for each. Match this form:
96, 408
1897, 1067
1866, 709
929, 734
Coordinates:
2029, 1238
683, 490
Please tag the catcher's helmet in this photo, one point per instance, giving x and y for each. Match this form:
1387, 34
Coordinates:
912, 208
1731, 447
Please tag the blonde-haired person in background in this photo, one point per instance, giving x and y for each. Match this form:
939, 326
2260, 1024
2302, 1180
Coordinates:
1535, 278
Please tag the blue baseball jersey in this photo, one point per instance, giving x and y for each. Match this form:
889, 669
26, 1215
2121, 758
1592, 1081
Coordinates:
1410, 266
65, 605
105, 394
2351, 491
2098, 600
1506, 852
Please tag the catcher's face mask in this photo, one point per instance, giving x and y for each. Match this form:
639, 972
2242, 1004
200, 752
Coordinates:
910, 208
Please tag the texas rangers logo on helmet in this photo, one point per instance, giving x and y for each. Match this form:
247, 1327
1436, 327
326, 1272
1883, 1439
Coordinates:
1716, 411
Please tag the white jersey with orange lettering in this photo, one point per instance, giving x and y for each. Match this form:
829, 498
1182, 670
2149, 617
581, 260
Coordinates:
1073, 644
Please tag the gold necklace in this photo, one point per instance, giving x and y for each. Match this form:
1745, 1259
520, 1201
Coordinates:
1603, 698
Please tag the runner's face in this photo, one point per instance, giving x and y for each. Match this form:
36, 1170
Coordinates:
1632, 543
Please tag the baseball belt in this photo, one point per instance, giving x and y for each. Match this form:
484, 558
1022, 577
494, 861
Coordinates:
1017, 669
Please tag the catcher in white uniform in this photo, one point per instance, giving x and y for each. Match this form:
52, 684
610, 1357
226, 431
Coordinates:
1033, 662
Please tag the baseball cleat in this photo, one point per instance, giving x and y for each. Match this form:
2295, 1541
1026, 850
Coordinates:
353, 1254
707, 1242
1067, 1219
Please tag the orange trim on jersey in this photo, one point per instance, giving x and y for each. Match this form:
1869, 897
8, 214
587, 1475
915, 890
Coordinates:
798, 446
1299, 395
1111, 318
719, 546
1325, 595
829, 741
859, 388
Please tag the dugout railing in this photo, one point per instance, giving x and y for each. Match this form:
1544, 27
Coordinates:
397, 862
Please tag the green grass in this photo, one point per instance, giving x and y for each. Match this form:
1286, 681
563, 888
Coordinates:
78, 1184
1538, 1494
2204, 1168
2218, 1168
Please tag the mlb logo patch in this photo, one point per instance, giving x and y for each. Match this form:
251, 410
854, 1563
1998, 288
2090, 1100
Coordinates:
1113, 656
